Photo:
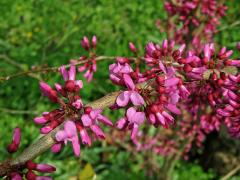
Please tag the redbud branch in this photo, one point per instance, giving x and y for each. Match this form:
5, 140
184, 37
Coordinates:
52, 69
33, 72
10, 61
231, 173
46, 141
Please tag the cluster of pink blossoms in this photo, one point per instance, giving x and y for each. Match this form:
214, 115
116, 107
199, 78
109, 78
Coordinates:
27, 170
157, 99
178, 80
90, 66
195, 20
75, 116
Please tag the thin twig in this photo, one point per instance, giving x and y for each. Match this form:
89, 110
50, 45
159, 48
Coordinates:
10, 61
50, 69
231, 173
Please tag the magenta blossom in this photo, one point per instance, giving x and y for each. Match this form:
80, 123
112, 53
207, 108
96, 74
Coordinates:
91, 65
130, 95
69, 92
19, 172
13, 147
133, 119
117, 70
90, 119
69, 133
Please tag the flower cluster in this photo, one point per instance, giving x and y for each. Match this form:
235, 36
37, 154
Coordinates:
75, 116
90, 65
28, 168
194, 21
155, 100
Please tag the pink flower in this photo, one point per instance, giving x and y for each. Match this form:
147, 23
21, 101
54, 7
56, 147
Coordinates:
48, 92
91, 65
90, 119
132, 94
13, 147
132, 47
69, 133
17, 174
94, 42
66, 96
118, 69
133, 119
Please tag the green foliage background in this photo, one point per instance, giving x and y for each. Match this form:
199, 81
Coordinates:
37, 32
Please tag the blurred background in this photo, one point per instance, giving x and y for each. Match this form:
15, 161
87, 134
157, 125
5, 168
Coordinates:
36, 33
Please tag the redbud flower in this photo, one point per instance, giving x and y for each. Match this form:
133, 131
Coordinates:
91, 65
118, 69
13, 147
131, 94
18, 173
69, 133
132, 47
70, 91
94, 42
133, 119
90, 119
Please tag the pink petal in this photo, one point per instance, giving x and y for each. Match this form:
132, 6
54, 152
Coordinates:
90, 77
78, 104
64, 73
86, 120
139, 118
75, 145
174, 97
161, 119
121, 123
115, 78
79, 83
17, 136
94, 41
61, 135
125, 69
94, 66
105, 120
40, 120
97, 131
162, 67
82, 68
16, 176
128, 81
58, 87
168, 116
46, 129
136, 98
45, 168
223, 113
70, 129
123, 99
130, 113
72, 73
94, 113
171, 82
134, 132
45, 88
173, 108
85, 138
56, 147
152, 118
